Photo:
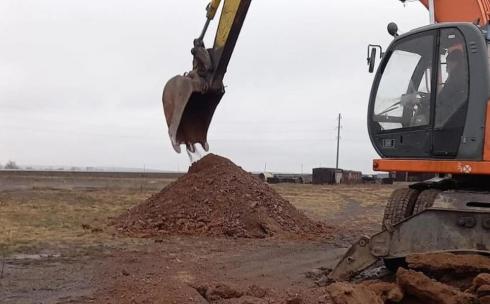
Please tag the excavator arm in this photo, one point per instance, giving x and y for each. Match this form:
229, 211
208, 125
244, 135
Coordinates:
189, 100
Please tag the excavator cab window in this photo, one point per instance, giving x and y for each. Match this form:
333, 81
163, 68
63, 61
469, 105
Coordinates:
419, 99
403, 97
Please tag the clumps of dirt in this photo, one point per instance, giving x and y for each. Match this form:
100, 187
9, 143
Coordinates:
347, 293
429, 291
443, 262
481, 287
218, 198
375, 292
219, 292
420, 286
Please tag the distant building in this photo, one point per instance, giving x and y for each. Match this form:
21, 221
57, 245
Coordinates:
336, 176
265, 175
276, 178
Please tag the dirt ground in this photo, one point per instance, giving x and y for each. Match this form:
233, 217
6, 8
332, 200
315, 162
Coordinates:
56, 245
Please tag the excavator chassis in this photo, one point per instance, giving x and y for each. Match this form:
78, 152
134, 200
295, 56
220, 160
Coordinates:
458, 222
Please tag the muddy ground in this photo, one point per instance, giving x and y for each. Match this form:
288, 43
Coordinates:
57, 247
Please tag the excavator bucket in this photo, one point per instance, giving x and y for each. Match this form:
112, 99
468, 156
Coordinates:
188, 111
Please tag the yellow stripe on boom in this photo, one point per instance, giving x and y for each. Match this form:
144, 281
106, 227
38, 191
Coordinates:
230, 8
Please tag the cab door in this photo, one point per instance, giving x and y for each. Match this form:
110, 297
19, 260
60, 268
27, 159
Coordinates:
452, 94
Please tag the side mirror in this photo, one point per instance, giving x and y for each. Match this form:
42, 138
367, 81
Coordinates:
372, 60
371, 55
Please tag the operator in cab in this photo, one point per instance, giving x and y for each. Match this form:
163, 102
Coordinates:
453, 95
452, 90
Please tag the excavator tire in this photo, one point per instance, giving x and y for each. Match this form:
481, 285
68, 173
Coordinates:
425, 200
400, 205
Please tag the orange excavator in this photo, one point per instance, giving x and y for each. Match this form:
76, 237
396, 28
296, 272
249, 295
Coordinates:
429, 112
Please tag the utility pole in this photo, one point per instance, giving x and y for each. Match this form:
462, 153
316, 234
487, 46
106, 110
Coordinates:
338, 141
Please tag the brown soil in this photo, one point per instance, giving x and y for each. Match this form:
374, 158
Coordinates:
411, 287
480, 280
425, 289
444, 262
218, 198
387, 291
346, 293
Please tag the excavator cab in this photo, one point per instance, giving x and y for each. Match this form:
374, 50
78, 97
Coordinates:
428, 113
429, 94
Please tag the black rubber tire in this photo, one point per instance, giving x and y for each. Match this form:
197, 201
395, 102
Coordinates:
425, 200
400, 206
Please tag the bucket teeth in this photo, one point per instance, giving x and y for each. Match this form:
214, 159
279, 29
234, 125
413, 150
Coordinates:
205, 146
191, 148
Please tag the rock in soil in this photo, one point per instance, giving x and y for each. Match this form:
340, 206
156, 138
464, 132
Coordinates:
483, 291
245, 300
218, 198
387, 291
222, 291
256, 291
484, 300
443, 262
218, 292
347, 293
424, 288
294, 300
480, 280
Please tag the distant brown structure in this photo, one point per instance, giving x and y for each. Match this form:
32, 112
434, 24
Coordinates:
324, 176
351, 177
331, 176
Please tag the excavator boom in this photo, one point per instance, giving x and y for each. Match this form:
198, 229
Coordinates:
189, 100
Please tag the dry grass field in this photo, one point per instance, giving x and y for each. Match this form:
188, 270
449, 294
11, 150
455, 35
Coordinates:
62, 212
51, 212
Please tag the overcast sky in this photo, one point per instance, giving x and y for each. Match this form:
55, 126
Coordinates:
81, 81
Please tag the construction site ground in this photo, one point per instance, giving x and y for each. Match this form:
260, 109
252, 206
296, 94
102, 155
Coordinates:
57, 245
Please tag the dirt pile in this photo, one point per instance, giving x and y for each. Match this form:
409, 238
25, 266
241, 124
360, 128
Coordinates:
217, 198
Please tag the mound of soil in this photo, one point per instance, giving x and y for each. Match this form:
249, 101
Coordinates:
218, 198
